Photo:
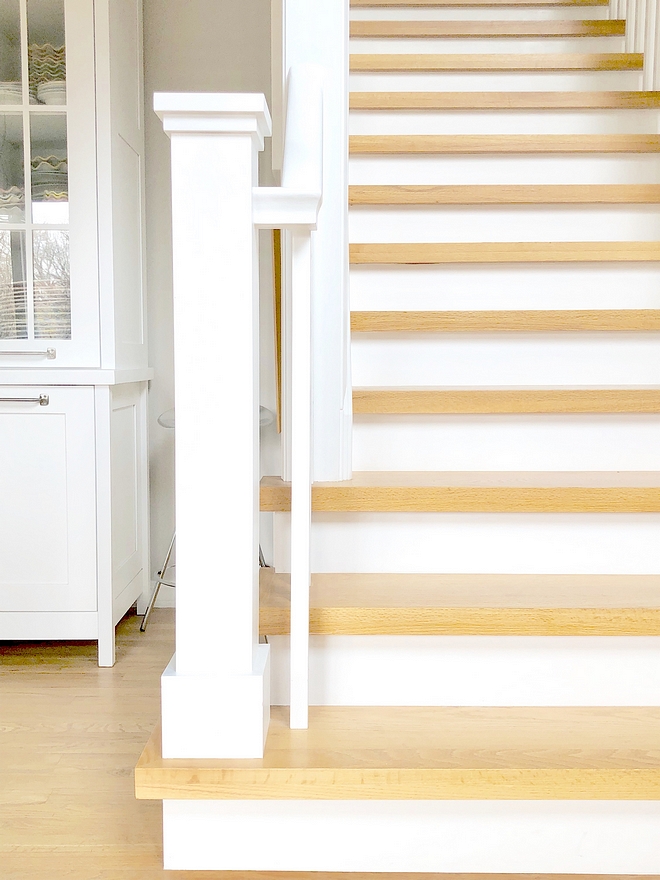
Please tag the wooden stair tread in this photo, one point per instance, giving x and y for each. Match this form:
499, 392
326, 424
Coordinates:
439, 4
433, 253
430, 753
624, 100
415, 590
467, 604
525, 321
390, 144
476, 492
506, 29
419, 401
497, 62
506, 194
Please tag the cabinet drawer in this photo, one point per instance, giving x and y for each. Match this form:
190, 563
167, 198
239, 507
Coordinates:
47, 499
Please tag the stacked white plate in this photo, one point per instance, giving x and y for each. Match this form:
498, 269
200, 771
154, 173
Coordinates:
11, 93
12, 203
52, 92
50, 180
11, 197
47, 63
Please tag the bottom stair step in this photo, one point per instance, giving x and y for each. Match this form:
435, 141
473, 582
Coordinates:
361, 753
468, 604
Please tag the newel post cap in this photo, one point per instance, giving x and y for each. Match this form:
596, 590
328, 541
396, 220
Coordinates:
214, 113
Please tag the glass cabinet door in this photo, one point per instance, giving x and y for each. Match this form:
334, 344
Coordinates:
48, 263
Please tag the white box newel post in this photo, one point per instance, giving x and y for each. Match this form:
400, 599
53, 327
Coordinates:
215, 693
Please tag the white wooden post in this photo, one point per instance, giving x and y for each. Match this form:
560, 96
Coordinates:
215, 693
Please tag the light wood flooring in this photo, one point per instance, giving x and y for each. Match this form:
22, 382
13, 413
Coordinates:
70, 736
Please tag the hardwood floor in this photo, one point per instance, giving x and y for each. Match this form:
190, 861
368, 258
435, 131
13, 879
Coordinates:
70, 736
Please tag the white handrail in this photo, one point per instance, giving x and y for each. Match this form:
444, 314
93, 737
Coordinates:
294, 206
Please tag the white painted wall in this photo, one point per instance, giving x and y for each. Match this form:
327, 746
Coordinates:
196, 45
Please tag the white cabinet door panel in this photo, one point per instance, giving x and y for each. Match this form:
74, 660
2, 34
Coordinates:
47, 500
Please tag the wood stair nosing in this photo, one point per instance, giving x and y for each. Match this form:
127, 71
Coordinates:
473, 144
447, 604
504, 252
482, 401
431, 63
521, 321
440, 4
497, 29
428, 753
473, 492
503, 101
505, 194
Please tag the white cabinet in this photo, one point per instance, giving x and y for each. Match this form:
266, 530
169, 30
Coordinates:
73, 360
48, 501
71, 184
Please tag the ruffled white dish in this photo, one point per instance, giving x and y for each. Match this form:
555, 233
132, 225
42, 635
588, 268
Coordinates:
52, 92
10, 93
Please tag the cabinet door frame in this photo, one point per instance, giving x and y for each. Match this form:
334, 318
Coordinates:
74, 408
83, 348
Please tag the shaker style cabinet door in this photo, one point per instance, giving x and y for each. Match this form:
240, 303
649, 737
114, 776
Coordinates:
48, 509
49, 298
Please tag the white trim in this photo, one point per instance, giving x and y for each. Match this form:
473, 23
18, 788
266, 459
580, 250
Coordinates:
210, 113
504, 837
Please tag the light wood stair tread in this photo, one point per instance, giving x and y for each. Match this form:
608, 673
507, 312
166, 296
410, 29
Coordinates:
407, 101
390, 144
519, 320
419, 401
505, 252
467, 604
477, 492
500, 29
439, 4
499, 61
429, 753
506, 194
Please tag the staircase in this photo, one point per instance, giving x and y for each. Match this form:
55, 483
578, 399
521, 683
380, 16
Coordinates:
485, 608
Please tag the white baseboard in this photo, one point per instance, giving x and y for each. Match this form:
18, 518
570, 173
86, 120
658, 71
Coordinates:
582, 837
475, 670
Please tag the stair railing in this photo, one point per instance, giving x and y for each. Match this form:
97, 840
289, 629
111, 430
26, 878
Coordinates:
642, 19
216, 690
294, 208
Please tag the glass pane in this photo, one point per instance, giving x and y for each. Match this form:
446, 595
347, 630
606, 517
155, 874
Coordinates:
12, 180
46, 54
10, 53
52, 295
13, 287
50, 187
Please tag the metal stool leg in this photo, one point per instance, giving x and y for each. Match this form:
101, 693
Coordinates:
162, 575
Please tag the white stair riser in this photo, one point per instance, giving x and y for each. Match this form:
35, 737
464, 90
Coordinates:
475, 671
488, 13
504, 122
479, 81
507, 359
516, 169
572, 837
452, 223
506, 443
504, 543
478, 46
520, 286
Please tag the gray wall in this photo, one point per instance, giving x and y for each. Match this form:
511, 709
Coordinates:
193, 45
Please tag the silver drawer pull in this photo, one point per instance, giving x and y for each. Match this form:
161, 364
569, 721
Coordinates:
42, 400
50, 354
